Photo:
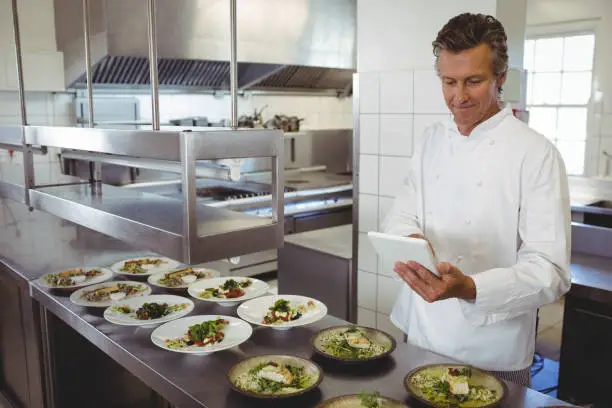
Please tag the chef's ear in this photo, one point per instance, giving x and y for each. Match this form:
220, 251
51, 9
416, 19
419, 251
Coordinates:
501, 80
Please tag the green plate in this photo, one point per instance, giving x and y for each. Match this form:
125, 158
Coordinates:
238, 372
353, 401
377, 336
479, 377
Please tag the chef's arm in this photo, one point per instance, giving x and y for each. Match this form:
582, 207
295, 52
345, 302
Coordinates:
403, 218
541, 274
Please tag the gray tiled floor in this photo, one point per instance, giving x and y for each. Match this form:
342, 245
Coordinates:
548, 341
273, 288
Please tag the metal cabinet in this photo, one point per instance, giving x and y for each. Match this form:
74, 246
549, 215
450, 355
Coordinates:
586, 356
319, 220
21, 375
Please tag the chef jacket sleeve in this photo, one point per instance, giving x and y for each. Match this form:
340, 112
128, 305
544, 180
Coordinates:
403, 217
541, 274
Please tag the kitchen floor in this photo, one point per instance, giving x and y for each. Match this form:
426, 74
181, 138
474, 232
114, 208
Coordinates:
548, 340
548, 346
273, 288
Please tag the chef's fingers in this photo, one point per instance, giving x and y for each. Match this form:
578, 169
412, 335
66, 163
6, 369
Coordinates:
444, 268
424, 273
415, 282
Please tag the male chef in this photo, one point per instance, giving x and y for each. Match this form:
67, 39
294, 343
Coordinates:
491, 196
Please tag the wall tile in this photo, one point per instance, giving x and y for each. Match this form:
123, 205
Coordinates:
366, 317
393, 171
368, 174
347, 105
369, 93
369, 133
428, 93
385, 267
396, 92
329, 104
347, 121
388, 290
384, 323
367, 259
366, 290
368, 212
311, 122
396, 135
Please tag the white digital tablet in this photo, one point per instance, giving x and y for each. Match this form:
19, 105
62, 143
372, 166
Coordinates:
393, 248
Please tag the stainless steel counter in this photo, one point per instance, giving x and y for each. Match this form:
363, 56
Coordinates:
337, 241
34, 243
199, 381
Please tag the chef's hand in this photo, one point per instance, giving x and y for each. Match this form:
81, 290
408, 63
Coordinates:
452, 283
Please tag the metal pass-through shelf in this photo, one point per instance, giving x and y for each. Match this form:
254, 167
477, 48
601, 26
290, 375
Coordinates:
180, 229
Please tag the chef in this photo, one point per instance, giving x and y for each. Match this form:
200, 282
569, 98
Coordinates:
491, 197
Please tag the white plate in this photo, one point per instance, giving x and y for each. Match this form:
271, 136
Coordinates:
78, 300
135, 303
236, 333
154, 279
106, 275
167, 265
257, 288
254, 310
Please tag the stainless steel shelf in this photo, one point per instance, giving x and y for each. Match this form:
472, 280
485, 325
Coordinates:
154, 222
203, 169
180, 229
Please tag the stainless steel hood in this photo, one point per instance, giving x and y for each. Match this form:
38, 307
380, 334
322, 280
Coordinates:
282, 45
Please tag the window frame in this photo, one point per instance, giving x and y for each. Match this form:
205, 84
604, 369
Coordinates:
531, 73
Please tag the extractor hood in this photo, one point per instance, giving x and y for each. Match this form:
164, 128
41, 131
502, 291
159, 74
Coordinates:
305, 45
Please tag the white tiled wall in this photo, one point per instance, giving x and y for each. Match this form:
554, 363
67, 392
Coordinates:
396, 134
398, 105
394, 87
42, 109
369, 125
393, 171
368, 174
368, 259
368, 218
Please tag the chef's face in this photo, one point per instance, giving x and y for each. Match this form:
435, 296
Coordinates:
469, 85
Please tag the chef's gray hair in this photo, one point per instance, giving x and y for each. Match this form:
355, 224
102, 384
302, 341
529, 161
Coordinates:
467, 31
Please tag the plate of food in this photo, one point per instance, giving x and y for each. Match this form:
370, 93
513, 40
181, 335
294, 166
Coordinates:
75, 278
202, 334
228, 291
146, 310
181, 278
144, 266
282, 311
106, 293
457, 386
353, 344
362, 400
274, 376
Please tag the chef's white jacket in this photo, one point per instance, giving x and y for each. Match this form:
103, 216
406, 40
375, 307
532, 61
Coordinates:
496, 205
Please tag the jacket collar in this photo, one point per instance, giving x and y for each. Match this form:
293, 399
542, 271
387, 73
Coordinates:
483, 127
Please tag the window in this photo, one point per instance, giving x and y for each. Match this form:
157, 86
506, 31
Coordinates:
558, 91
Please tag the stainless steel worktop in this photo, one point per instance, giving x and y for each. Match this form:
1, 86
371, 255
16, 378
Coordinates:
337, 241
35, 243
199, 381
